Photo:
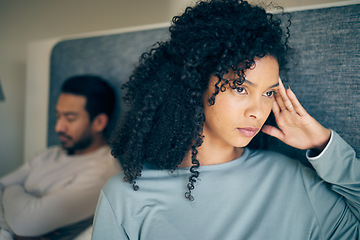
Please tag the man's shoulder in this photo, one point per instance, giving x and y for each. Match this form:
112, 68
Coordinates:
49, 154
49, 151
103, 157
103, 151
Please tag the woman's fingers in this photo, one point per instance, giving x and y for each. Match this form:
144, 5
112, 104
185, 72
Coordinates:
287, 100
295, 126
296, 106
281, 96
273, 131
288, 105
275, 107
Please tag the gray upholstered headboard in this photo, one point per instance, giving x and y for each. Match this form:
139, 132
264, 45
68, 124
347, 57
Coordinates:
111, 56
326, 78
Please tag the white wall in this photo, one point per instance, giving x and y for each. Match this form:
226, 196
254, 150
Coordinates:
23, 22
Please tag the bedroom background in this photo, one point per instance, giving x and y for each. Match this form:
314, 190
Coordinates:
25, 24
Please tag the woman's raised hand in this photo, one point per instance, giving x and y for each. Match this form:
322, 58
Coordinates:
296, 127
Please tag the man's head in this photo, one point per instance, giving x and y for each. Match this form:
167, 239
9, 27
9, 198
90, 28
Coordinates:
83, 110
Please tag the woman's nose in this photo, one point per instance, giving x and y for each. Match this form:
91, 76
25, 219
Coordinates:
255, 109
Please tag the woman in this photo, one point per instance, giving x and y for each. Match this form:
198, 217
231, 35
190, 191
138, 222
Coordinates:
191, 143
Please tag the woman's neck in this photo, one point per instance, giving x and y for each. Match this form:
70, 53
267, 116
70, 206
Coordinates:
212, 155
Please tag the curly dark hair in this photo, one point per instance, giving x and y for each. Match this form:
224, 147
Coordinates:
165, 91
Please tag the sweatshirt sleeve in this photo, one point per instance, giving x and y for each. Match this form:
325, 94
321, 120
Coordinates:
16, 177
339, 168
31, 215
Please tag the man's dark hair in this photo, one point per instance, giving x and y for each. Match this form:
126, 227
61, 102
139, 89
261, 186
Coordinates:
100, 96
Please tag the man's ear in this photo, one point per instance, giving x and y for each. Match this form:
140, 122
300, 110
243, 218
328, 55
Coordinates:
100, 122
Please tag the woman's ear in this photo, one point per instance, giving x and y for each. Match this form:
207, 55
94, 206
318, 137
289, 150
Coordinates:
100, 122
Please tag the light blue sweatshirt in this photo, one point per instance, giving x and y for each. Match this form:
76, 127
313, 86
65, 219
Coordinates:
261, 195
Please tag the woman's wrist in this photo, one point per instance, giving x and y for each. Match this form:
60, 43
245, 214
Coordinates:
322, 142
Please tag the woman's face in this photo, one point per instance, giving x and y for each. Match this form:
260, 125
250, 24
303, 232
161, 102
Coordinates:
238, 114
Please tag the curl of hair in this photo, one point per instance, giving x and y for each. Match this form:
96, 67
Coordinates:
165, 91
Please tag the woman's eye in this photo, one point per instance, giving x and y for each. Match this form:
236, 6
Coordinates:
240, 90
270, 93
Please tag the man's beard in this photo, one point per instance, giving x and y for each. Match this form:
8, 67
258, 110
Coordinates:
83, 143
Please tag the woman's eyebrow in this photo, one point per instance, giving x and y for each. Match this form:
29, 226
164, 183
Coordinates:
250, 83
275, 85
254, 85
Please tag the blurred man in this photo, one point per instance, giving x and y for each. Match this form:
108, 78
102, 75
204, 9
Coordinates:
54, 196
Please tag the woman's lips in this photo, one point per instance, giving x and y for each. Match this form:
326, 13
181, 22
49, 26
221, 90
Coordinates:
248, 132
